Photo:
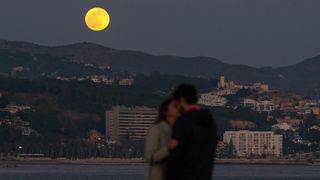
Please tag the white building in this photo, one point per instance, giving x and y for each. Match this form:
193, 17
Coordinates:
282, 126
26, 131
315, 127
211, 99
95, 79
260, 106
106, 80
250, 103
13, 108
247, 143
265, 106
129, 123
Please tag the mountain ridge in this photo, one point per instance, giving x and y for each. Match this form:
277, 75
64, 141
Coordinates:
301, 77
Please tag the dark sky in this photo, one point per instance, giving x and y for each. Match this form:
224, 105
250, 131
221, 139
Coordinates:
253, 32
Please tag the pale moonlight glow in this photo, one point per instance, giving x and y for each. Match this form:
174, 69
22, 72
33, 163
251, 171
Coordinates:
97, 19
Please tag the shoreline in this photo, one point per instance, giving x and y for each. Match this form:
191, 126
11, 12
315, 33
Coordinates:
112, 161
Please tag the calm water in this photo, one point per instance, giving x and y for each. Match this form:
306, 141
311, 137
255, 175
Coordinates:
135, 172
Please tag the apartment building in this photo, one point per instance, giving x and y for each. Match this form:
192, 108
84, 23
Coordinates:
258, 143
129, 122
260, 106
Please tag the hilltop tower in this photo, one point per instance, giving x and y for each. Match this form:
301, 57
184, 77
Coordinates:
221, 83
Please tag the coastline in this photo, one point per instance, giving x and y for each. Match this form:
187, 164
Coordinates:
114, 161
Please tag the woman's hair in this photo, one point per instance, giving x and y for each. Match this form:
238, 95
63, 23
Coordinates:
163, 109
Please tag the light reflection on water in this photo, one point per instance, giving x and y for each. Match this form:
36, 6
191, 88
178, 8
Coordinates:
136, 172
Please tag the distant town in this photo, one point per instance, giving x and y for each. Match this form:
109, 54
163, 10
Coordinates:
287, 114
287, 124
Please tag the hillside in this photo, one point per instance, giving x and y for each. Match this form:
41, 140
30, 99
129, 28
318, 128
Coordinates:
302, 77
82, 104
70, 59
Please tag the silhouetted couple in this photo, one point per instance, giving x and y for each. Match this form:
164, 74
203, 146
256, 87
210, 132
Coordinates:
182, 143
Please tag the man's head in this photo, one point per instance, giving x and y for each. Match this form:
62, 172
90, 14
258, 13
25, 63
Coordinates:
186, 95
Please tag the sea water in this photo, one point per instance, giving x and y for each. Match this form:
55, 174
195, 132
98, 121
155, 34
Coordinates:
136, 172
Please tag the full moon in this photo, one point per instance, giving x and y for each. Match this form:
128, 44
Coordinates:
97, 19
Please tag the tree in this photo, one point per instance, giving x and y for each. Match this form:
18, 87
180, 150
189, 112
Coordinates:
231, 149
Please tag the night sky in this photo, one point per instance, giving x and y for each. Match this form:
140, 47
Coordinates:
253, 32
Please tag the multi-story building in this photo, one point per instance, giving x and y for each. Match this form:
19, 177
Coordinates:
13, 108
250, 103
126, 82
282, 126
257, 143
290, 121
265, 106
260, 106
211, 99
261, 87
230, 85
129, 123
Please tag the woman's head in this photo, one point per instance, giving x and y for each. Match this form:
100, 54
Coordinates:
168, 111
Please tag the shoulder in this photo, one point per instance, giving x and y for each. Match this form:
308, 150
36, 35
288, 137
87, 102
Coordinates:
154, 129
158, 126
163, 125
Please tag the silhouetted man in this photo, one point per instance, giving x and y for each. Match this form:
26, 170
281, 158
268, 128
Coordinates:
194, 139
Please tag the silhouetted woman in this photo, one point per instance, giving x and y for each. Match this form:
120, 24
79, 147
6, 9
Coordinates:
158, 139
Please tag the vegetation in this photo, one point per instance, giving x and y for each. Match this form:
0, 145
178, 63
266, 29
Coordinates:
307, 129
223, 116
72, 109
234, 99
